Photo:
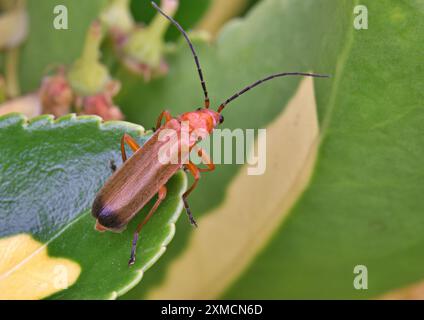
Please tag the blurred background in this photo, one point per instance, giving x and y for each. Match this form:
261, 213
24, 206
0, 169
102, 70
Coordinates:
344, 178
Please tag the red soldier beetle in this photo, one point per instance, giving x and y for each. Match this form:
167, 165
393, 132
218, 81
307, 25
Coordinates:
142, 176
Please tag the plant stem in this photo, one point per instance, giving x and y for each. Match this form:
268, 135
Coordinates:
11, 72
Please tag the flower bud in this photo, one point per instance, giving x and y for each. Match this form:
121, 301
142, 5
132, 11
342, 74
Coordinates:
56, 95
91, 82
101, 105
88, 76
116, 16
144, 48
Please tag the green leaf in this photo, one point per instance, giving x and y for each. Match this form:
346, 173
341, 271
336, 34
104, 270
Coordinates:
364, 203
50, 173
47, 47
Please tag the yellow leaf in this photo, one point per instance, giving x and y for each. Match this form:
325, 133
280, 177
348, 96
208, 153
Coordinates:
27, 272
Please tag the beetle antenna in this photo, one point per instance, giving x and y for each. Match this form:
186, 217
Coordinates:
238, 94
196, 59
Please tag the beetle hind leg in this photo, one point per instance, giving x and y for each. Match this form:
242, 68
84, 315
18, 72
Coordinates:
161, 197
127, 139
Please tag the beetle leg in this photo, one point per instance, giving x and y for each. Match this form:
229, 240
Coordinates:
112, 165
167, 116
131, 142
196, 174
161, 195
205, 159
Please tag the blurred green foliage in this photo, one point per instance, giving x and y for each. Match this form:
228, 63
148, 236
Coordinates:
189, 12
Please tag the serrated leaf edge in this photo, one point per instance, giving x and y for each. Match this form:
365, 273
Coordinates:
14, 119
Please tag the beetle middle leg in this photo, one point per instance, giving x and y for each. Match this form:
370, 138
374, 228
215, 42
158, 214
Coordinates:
195, 171
161, 196
205, 159
132, 144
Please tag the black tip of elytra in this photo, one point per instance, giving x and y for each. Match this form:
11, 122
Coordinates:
106, 216
97, 207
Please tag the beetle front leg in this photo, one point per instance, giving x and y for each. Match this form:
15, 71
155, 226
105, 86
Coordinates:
132, 144
167, 116
196, 174
205, 159
161, 196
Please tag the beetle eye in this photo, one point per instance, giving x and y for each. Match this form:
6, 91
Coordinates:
221, 119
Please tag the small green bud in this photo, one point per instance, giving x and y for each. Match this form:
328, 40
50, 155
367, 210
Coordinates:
144, 49
88, 76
